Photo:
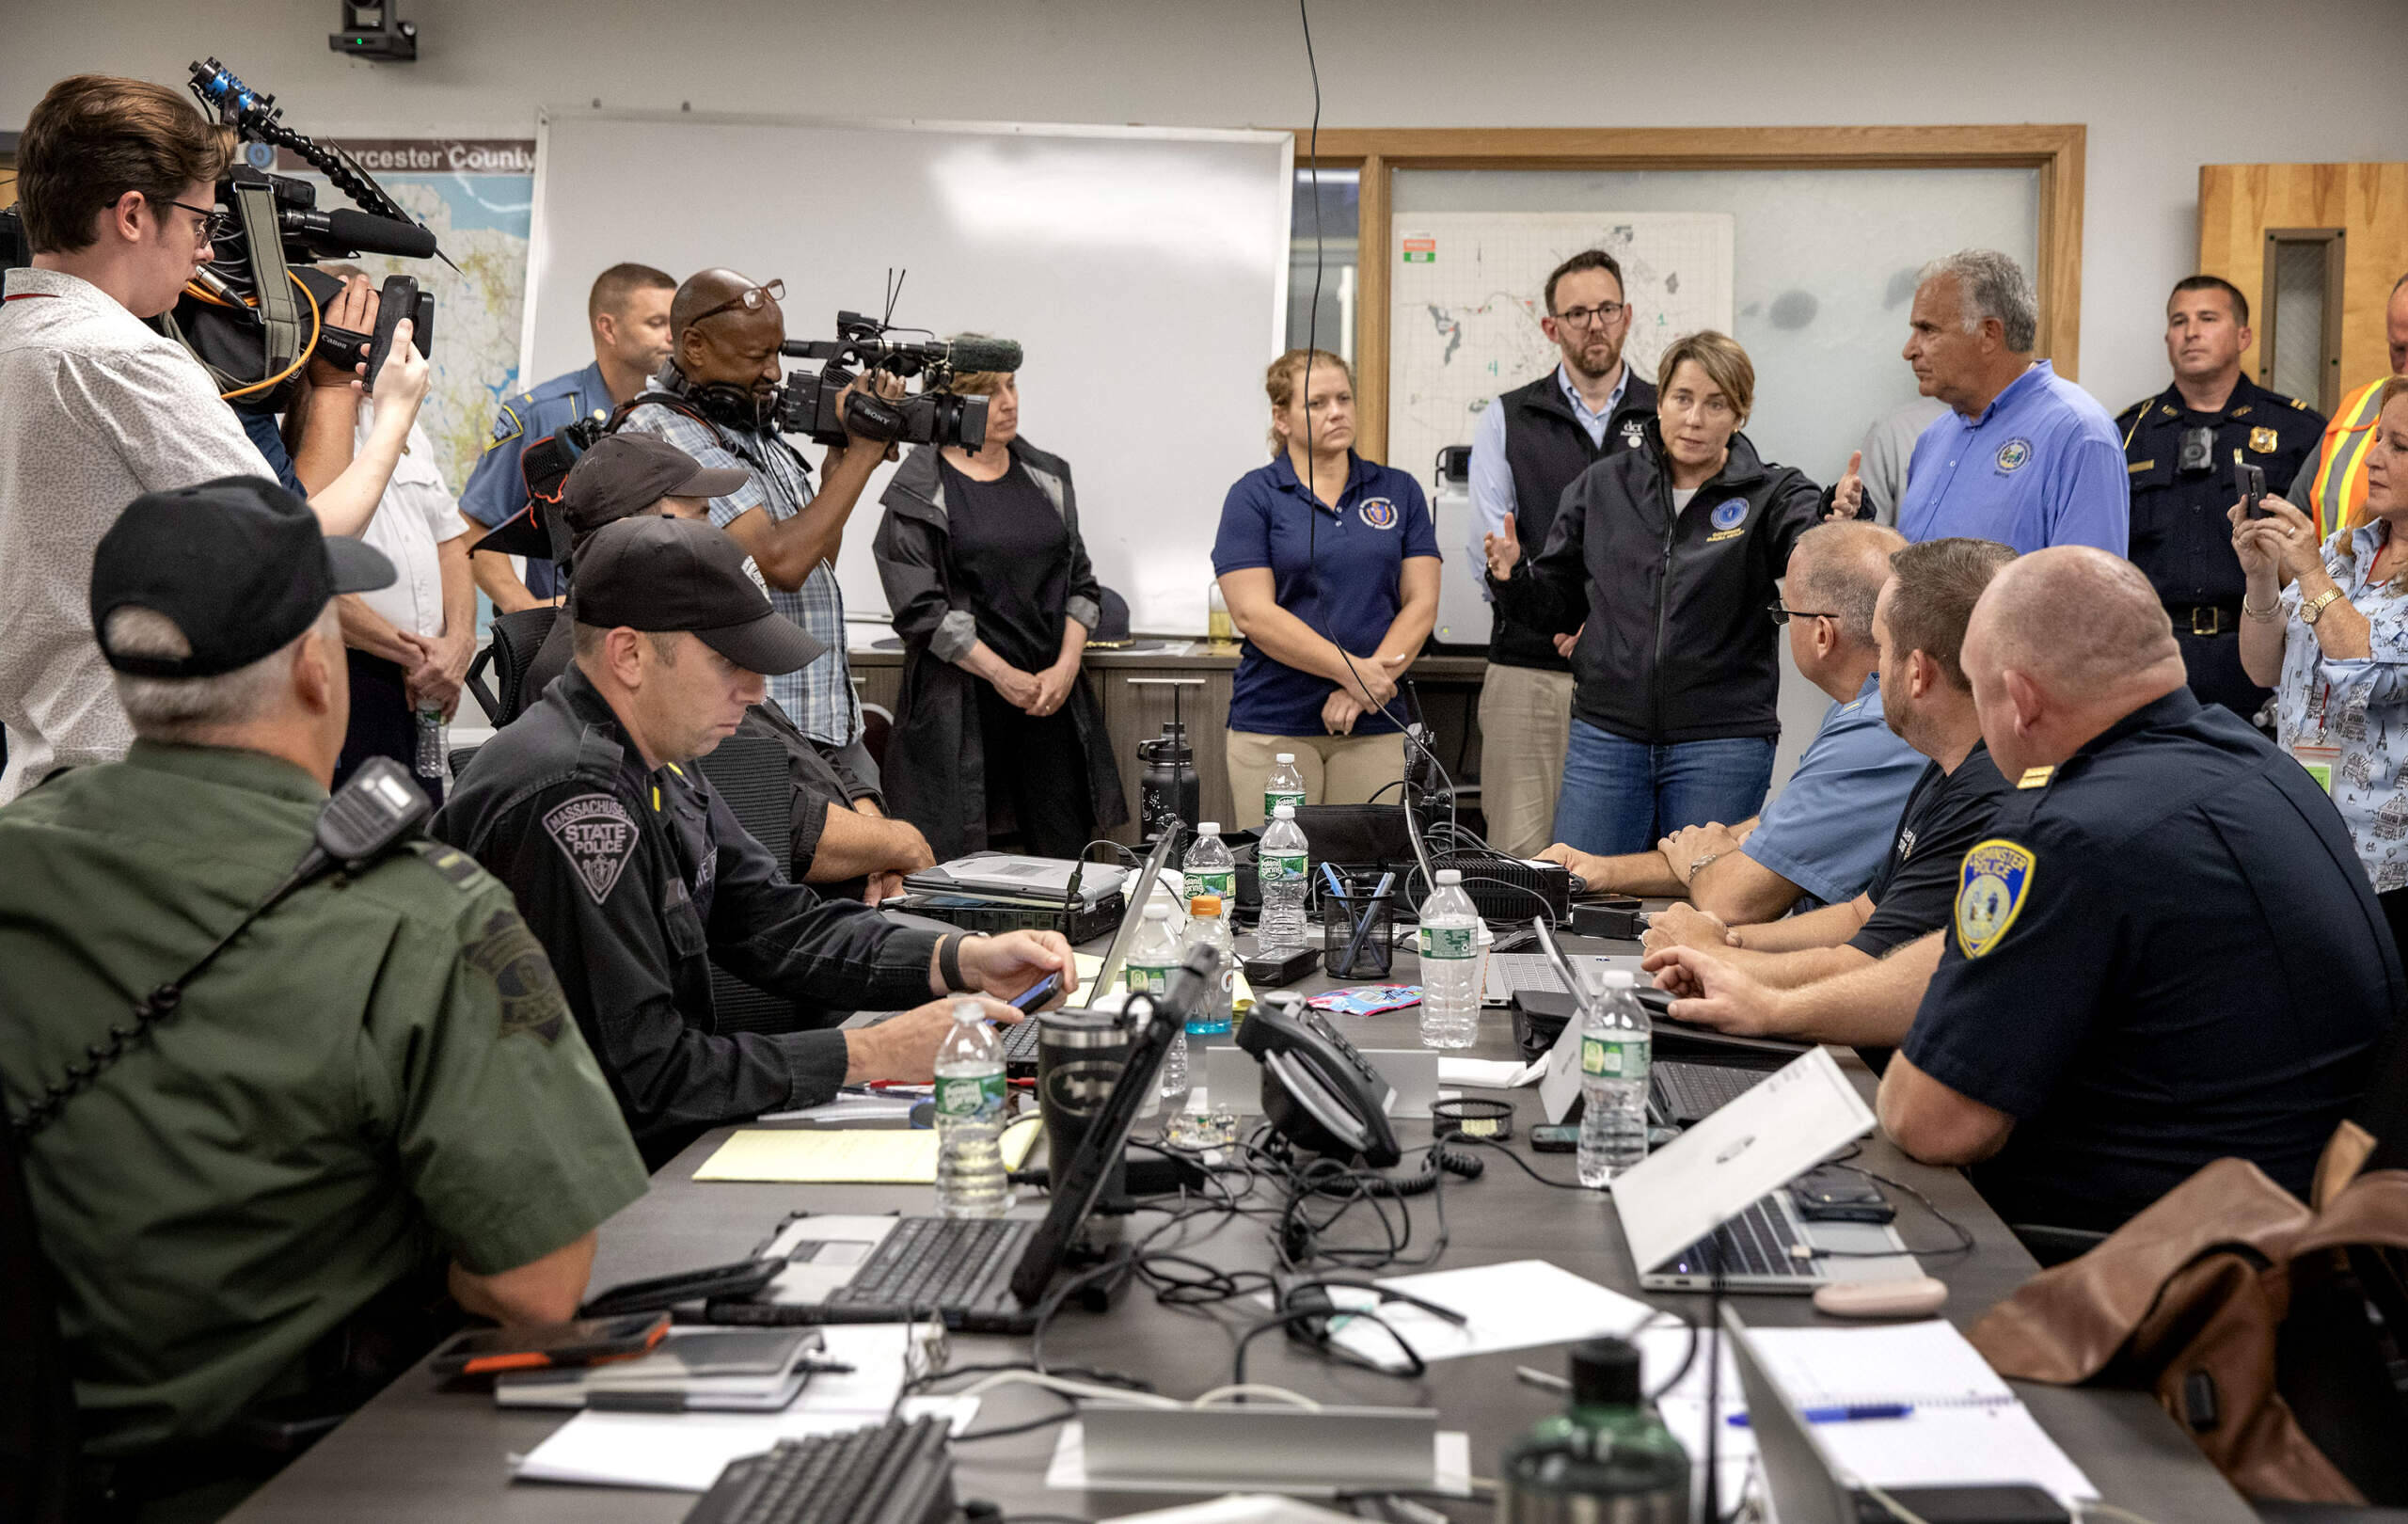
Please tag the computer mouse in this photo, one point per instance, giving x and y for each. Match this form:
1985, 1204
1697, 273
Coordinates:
1917, 1299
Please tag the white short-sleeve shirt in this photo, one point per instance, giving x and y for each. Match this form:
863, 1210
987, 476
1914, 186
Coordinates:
417, 514
95, 410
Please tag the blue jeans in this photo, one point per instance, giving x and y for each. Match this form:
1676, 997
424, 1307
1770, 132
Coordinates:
1624, 796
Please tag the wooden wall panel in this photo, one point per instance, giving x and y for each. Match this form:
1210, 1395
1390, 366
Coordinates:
2238, 202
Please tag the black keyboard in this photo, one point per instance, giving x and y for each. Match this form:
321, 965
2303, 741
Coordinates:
1019, 1042
900, 1473
938, 1263
1683, 1094
1757, 1241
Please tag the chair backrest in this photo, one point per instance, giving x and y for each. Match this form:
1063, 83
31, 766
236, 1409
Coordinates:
37, 1441
515, 639
750, 773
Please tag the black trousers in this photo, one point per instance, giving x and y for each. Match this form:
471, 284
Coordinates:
381, 722
1036, 767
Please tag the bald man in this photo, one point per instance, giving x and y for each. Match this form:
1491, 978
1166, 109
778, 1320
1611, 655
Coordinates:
714, 399
2165, 954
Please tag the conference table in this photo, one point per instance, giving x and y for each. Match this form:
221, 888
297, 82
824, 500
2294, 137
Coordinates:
416, 1452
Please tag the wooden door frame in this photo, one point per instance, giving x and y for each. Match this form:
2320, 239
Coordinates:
2054, 150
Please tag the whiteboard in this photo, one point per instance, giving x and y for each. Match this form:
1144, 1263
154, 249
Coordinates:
1144, 271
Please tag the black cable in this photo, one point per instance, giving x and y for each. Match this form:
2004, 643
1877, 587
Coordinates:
1519, 1162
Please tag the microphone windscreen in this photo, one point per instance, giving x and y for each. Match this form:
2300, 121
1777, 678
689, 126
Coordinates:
379, 236
973, 355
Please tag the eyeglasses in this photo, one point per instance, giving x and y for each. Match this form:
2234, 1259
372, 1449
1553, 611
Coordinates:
752, 301
1782, 613
1580, 317
214, 224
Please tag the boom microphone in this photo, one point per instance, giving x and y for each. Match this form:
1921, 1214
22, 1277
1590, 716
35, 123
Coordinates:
361, 234
977, 355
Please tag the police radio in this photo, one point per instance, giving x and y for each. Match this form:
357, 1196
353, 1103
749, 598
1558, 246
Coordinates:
375, 812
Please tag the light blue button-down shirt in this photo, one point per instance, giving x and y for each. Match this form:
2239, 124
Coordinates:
2358, 705
1828, 829
1492, 475
2042, 465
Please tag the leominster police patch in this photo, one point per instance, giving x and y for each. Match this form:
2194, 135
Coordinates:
1990, 888
2015, 455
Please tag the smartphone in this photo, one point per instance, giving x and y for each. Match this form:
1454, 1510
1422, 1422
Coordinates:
2253, 489
588, 1341
661, 1293
1037, 993
1554, 1139
398, 300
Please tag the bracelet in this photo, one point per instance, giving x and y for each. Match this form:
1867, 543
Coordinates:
1699, 867
2260, 614
949, 961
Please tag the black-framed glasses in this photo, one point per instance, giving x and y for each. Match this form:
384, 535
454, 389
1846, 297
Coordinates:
214, 224
1782, 613
1580, 317
752, 300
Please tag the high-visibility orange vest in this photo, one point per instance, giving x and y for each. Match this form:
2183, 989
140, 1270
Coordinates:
2340, 496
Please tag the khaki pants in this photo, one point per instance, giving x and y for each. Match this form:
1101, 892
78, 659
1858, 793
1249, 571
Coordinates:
1338, 770
1525, 724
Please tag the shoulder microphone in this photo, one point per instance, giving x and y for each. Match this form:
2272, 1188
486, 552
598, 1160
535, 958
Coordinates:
358, 232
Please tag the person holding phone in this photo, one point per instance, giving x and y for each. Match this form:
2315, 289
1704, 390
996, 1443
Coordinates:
2333, 645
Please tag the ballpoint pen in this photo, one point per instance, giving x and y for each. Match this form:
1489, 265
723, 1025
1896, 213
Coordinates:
1844, 1413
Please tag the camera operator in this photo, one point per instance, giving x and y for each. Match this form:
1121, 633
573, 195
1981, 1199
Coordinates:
712, 400
116, 184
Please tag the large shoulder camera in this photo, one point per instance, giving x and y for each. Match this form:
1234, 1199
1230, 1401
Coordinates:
809, 404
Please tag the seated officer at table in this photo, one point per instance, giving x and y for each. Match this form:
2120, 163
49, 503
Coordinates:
637, 877
1812, 842
2165, 953
377, 1076
1777, 978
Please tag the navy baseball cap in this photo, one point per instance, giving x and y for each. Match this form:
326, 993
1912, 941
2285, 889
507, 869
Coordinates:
239, 564
661, 574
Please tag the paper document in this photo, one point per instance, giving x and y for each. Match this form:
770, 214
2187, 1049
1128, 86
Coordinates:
1509, 1305
853, 1156
1929, 1364
1068, 1471
1490, 1074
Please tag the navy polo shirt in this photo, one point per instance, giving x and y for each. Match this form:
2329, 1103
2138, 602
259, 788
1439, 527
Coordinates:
1348, 591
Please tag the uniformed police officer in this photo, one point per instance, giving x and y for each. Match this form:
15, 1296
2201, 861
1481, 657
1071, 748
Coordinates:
629, 310
374, 1077
2164, 954
2181, 448
638, 878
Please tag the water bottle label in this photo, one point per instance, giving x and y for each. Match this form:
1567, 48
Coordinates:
1282, 868
1148, 979
1273, 799
1449, 941
970, 1095
1221, 881
1609, 1058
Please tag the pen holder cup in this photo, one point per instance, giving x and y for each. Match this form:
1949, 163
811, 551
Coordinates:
1358, 933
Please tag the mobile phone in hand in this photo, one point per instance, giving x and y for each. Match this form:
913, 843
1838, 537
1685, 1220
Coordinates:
2253, 490
398, 300
1037, 993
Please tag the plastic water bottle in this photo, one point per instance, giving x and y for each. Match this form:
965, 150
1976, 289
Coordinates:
1617, 1042
431, 762
1280, 860
970, 1117
1147, 970
1208, 867
1449, 964
1207, 927
1284, 785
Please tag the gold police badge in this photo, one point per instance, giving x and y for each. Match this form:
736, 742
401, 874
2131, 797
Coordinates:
1990, 888
2263, 441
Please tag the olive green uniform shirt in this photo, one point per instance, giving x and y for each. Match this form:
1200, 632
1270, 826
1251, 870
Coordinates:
378, 1074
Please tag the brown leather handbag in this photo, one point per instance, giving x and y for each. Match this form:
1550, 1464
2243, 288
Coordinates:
2223, 1297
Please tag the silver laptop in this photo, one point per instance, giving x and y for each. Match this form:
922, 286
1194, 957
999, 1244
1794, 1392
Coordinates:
1020, 1040
1710, 1202
1509, 972
1005, 876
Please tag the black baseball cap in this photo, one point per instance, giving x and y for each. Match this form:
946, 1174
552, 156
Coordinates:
239, 564
623, 474
670, 574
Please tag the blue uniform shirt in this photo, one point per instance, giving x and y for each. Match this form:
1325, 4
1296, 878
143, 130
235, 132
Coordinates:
262, 427
1349, 593
1829, 830
2042, 465
497, 489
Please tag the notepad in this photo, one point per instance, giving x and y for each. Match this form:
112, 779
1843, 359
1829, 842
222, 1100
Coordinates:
854, 1156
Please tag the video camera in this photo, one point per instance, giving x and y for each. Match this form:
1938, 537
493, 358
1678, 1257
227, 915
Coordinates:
808, 403
253, 313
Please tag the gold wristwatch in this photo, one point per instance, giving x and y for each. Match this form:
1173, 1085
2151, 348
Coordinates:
2313, 610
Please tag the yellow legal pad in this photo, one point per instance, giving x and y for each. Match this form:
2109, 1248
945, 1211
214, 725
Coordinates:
847, 1156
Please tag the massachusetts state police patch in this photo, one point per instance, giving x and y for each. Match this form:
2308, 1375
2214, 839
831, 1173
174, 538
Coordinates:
1990, 893
593, 831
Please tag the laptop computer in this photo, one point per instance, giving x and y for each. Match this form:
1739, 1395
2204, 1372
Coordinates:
1710, 1202
1020, 1040
1033, 880
984, 1274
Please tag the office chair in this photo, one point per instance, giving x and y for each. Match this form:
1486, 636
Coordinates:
750, 773
515, 639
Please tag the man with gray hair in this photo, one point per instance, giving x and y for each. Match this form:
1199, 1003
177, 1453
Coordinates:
2023, 456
